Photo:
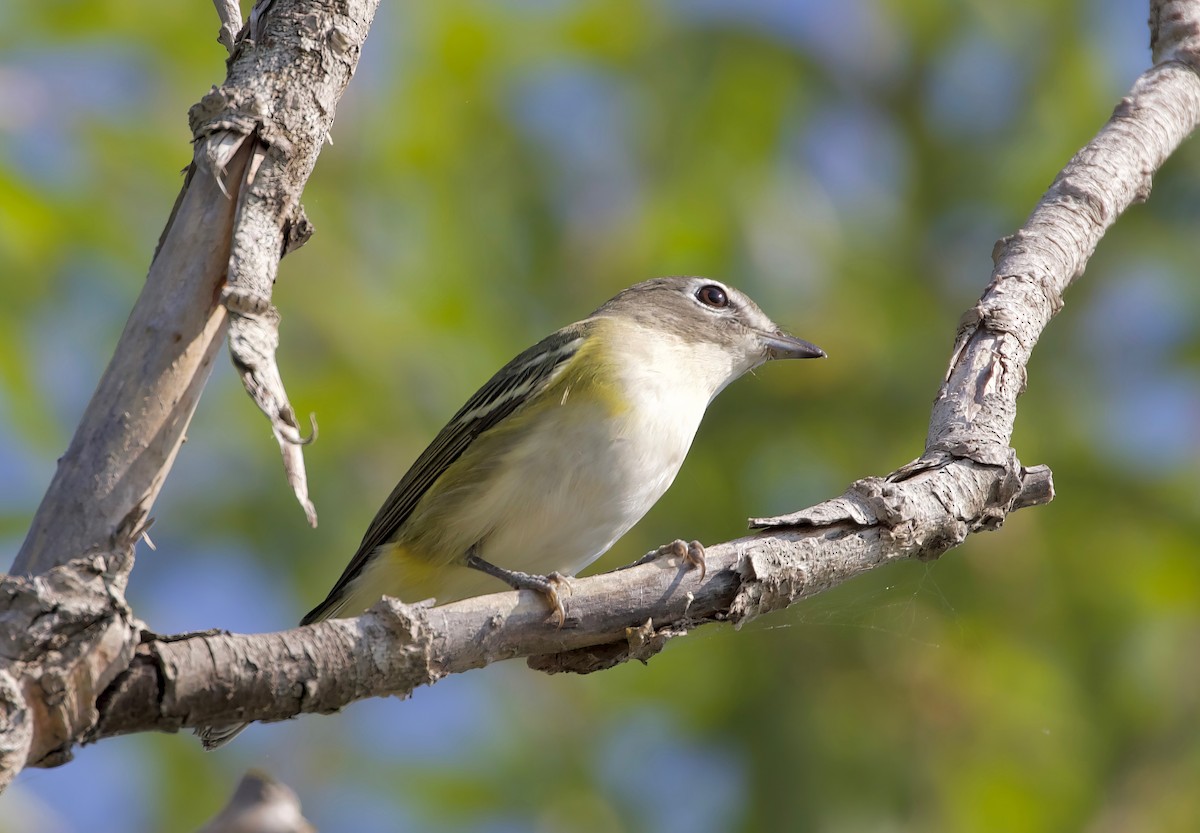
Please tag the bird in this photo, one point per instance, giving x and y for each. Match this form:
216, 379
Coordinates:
560, 453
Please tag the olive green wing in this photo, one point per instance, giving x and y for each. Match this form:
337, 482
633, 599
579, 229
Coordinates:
516, 383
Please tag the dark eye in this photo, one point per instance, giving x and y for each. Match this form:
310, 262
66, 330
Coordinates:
713, 296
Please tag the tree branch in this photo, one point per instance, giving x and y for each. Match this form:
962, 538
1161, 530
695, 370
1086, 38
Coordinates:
217, 678
231, 23
257, 139
967, 480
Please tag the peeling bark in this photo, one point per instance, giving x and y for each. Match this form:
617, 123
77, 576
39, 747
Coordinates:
238, 212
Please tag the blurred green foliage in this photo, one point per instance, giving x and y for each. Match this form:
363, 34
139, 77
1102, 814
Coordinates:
499, 170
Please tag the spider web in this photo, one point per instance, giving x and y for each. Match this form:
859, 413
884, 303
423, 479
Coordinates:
909, 605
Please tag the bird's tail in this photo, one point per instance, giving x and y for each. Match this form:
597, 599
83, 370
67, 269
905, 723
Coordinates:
398, 574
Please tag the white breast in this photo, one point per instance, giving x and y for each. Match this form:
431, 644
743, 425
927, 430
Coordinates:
621, 463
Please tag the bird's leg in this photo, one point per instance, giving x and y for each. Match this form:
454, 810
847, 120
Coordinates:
690, 553
547, 585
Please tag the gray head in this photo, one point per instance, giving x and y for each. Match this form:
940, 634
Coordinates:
705, 311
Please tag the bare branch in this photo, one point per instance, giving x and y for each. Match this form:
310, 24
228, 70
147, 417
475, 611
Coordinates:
275, 113
231, 23
110, 475
210, 679
257, 139
975, 410
67, 633
222, 678
968, 480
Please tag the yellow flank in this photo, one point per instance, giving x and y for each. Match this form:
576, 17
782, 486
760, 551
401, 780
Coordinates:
571, 459
508, 494
399, 572
591, 374
556, 483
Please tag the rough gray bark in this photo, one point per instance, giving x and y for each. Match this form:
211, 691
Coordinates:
967, 480
65, 632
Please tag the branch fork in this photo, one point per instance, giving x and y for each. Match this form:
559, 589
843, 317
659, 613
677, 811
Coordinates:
75, 666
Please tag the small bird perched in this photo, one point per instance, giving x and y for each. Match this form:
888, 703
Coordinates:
559, 453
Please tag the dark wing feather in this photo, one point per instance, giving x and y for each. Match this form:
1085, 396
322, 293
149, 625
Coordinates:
529, 372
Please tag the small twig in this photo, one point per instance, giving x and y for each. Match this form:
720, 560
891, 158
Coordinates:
231, 22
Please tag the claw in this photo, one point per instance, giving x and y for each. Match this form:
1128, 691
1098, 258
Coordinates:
556, 605
554, 581
693, 556
561, 579
546, 585
689, 553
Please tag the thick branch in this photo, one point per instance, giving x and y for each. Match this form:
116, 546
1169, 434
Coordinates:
208, 679
968, 480
975, 410
258, 137
111, 473
280, 100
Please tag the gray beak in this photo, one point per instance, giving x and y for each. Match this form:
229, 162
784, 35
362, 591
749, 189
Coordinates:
780, 345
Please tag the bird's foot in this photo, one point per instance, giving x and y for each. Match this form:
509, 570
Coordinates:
690, 553
547, 586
